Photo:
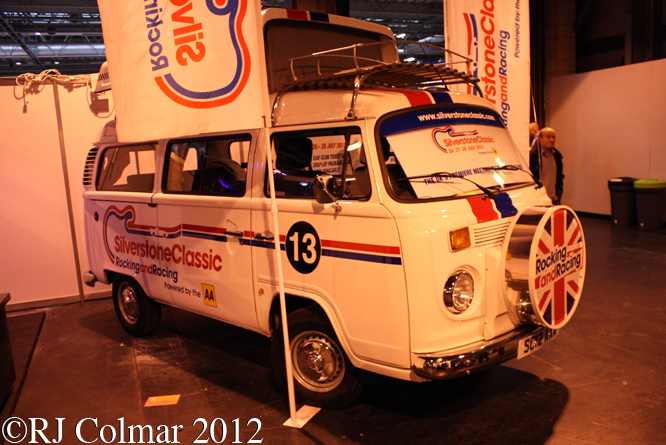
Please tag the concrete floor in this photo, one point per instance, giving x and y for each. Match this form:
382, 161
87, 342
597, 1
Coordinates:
602, 381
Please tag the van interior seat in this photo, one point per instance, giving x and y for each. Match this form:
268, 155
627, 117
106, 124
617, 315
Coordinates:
293, 160
141, 182
294, 154
225, 177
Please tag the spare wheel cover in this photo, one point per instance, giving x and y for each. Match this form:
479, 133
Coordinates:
557, 266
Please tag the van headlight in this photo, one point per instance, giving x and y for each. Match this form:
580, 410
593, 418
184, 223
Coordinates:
459, 292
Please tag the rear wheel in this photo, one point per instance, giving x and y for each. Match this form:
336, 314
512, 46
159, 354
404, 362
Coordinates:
138, 314
323, 375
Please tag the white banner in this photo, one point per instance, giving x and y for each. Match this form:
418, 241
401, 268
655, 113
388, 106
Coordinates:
184, 67
495, 34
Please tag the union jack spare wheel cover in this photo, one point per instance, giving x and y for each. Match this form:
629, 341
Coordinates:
557, 266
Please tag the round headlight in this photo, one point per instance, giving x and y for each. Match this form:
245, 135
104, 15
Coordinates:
459, 292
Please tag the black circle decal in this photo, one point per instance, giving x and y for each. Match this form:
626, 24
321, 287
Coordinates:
303, 247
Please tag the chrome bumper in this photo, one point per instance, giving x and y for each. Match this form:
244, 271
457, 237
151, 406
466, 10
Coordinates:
471, 358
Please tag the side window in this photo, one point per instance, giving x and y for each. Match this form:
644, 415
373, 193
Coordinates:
300, 156
211, 166
127, 169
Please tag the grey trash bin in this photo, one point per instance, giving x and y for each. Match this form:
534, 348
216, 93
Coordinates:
623, 201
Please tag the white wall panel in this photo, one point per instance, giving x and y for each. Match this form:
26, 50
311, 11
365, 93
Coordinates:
37, 264
609, 123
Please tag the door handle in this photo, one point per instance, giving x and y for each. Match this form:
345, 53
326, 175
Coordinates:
232, 233
261, 237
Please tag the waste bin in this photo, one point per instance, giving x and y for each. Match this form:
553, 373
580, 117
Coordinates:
7, 371
650, 203
623, 201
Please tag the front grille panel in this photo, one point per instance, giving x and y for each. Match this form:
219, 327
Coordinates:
492, 235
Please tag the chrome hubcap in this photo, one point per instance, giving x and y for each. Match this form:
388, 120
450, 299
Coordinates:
318, 361
128, 304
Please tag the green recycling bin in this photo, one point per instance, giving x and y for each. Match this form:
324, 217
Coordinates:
650, 203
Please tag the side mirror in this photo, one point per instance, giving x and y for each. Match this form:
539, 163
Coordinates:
325, 188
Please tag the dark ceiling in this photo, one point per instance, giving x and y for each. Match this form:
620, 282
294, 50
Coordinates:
37, 35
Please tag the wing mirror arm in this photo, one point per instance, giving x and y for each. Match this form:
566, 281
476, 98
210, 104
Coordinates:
325, 188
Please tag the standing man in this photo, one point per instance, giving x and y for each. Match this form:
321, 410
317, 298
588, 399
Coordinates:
546, 164
534, 132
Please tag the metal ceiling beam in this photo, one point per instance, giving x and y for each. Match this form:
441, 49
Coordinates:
52, 50
19, 41
67, 7
42, 31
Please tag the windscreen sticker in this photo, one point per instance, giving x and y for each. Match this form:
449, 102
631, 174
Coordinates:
328, 153
450, 152
429, 118
449, 140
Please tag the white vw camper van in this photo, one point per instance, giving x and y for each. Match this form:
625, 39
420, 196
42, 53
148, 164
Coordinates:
415, 241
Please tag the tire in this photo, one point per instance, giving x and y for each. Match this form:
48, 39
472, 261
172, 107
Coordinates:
323, 375
138, 314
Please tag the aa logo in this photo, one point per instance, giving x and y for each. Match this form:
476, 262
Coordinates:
209, 295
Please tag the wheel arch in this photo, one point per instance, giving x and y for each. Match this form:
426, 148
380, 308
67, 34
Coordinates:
110, 275
296, 301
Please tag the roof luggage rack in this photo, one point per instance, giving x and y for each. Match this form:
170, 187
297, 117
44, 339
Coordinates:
373, 73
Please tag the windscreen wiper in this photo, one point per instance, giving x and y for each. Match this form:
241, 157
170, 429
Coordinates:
515, 168
447, 175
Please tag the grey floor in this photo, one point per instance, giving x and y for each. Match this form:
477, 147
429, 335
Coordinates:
602, 380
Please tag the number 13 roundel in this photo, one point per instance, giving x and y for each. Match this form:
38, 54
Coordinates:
557, 266
303, 247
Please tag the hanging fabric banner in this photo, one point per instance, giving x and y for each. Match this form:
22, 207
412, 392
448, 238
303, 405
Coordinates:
182, 67
495, 35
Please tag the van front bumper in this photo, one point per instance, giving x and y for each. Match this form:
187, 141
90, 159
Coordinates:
471, 358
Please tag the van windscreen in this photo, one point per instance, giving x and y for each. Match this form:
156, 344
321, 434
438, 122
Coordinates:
441, 153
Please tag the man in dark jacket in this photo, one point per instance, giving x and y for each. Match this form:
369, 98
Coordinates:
546, 164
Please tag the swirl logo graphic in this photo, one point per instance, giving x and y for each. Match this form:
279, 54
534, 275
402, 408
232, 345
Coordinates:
441, 136
185, 74
117, 221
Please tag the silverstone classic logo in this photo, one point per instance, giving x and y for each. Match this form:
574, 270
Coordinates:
189, 40
446, 138
559, 268
153, 250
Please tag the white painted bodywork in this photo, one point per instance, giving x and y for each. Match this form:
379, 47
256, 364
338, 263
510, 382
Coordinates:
385, 312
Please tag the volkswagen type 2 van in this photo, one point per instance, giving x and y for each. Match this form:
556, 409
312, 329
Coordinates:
416, 244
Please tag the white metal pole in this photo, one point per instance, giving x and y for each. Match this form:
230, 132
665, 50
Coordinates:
278, 263
68, 191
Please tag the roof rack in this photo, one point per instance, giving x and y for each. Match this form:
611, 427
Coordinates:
373, 73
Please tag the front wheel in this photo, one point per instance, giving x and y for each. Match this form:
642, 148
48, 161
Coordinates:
138, 314
323, 375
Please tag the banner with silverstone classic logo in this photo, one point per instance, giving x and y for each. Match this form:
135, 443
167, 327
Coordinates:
180, 67
495, 35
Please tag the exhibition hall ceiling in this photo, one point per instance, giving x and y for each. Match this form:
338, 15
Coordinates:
37, 35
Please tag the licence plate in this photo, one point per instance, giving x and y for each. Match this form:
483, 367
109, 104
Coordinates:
534, 342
